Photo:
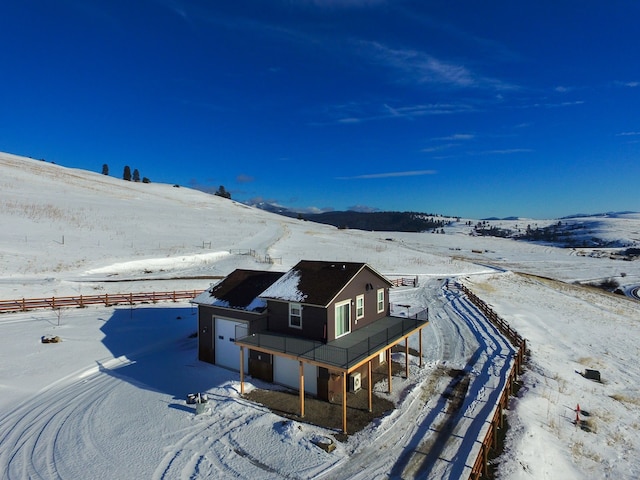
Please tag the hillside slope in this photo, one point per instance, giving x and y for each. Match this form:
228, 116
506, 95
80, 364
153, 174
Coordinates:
66, 229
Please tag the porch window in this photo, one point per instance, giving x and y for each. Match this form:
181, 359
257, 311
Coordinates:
381, 300
343, 318
295, 315
359, 307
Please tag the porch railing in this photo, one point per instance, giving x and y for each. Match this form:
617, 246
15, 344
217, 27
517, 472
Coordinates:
342, 357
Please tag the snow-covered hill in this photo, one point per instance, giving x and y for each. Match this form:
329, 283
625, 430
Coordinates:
107, 402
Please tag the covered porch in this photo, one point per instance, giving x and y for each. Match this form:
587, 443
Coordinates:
343, 356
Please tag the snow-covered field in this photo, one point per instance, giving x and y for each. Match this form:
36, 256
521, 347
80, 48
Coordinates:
109, 400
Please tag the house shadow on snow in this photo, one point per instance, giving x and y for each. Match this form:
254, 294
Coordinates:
155, 349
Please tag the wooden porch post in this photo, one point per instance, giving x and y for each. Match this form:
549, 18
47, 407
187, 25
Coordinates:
344, 402
388, 353
406, 357
241, 370
301, 389
370, 388
420, 348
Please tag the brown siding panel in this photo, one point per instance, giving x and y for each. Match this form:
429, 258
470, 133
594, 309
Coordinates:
313, 321
358, 286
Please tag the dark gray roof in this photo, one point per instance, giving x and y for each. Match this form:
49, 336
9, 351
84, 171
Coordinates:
316, 282
239, 290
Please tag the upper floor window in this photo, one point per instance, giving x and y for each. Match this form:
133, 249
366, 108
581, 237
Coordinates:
343, 318
295, 315
380, 300
359, 307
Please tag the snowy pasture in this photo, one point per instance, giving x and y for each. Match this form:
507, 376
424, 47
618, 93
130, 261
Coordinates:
108, 401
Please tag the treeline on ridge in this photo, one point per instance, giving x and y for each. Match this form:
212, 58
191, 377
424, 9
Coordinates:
380, 221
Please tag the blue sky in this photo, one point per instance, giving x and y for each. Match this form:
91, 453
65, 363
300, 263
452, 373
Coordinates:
467, 108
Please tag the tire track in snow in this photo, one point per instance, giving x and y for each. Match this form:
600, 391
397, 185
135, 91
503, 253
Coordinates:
197, 454
196, 440
31, 433
490, 365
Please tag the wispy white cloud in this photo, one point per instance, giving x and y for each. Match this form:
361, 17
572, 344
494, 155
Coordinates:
627, 134
350, 120
631, 84
242, 178
550, 104
458, 136
452, 142
354, 114
439, 148
508, 151
422, 68
411, 173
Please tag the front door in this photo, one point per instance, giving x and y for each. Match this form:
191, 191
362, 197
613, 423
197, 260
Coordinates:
205, 340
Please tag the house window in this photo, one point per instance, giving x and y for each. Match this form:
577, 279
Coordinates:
343, 318
295, 315
381, 300
359, 307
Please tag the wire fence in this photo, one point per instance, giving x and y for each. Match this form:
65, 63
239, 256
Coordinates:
266, 258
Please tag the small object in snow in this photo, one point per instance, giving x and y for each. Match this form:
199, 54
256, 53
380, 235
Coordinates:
194, 398
592, 374
202, 404
325, 443
50, 339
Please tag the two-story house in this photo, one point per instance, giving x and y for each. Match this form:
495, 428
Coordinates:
319, 328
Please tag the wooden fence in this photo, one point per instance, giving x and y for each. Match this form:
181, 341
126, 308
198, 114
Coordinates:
405, 282
490, 442
80, 301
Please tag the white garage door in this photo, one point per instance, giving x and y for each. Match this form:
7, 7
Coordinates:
286, 371
227, 352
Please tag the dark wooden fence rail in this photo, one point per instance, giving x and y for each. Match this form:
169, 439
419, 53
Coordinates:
108, 299
405, 282
490, 442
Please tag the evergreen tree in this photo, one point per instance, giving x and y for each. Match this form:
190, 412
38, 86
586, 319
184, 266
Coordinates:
136, 175
127, 173
105, 169
222, 192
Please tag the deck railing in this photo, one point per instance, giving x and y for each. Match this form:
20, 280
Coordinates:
342, 357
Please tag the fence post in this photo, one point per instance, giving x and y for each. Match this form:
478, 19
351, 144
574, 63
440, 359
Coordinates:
485, 453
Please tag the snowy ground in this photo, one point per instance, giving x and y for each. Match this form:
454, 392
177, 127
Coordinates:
108, 401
